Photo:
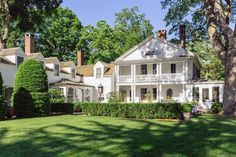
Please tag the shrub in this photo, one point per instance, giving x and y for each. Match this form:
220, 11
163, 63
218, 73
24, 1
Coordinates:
115, 97
62, 108
31, 82
2, 100
55, 96
187, 107
216, 107
133, 110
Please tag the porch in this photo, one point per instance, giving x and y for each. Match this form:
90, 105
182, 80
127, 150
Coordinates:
152, 93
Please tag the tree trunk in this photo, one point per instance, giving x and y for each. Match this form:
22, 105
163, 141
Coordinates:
3, 44
230, 84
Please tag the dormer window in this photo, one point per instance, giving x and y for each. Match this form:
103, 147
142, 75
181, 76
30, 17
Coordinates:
56, 70
73, 73
98, 72
19, 60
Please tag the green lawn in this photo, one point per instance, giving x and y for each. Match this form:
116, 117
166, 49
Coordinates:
105, 136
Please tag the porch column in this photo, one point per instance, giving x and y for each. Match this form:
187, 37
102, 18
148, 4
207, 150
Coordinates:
117, 73
186, 70
157, 71
159, 92
184, 93
117, 88
210, 93
200, 94
134, 88
221, 93
134, 73
160, 69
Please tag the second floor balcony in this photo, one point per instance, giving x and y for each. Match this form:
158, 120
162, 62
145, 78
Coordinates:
151, 73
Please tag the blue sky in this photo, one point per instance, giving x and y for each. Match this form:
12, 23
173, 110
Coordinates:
91, 11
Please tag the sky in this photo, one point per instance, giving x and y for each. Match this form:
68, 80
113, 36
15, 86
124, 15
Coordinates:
91, 11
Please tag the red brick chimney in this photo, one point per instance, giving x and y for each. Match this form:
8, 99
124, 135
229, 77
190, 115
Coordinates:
80, 58
29, 44
182, 36
161, 34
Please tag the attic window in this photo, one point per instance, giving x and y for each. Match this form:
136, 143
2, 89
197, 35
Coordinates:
56, 70
73, 73
19, 60
98, 72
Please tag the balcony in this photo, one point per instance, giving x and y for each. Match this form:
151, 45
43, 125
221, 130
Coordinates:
175, 77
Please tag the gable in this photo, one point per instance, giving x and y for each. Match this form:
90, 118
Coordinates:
153, 48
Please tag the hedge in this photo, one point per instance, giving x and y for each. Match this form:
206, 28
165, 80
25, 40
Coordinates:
62, 108
133, 110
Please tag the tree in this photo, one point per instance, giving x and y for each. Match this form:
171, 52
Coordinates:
31, 83
105, 43
23, 14
59, 34
217, 15
212, 68
131, 27
56, 96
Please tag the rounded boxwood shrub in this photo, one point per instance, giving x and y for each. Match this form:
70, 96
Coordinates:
187, 107
216, 107
31, 78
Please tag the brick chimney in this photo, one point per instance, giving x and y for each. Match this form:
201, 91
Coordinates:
161, 34
29, 44
182, 36
80, 58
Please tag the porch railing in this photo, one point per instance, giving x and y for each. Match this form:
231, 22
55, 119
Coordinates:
172, 77
125, 79
146, 78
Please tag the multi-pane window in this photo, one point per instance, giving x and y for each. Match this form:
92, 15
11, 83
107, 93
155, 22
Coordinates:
73, 73
56, 70
143, 93
154, 93
154, 68
196, 94
215, 94
205, 94
98, 72
173, 68
19, 60
144, 69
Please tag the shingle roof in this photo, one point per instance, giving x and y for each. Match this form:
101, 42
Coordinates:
5, 60
10, 51
87, 70
67, 64
34, 55
50, 59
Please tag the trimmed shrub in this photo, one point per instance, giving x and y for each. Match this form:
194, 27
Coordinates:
216, 107
55, 96
187, 107
31, 82
62, 108
133, 110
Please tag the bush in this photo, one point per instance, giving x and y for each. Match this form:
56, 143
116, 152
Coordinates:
115, 97
216, 107
187, 107
31, 82
133, 110
2, 100
55, 96
62, 108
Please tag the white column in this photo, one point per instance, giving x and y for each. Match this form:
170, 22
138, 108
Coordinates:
157, 70
134, 71
200, 94
184, 93
210, 93
159, 92
186, 69
134, 93
221, 92
160, 71
117, 73
117, 88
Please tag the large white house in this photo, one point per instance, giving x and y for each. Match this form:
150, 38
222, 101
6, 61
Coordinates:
154, 69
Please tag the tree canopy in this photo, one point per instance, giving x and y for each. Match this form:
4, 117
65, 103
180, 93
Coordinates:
24, 15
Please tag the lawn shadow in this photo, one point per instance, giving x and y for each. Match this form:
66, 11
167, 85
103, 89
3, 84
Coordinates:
148, 138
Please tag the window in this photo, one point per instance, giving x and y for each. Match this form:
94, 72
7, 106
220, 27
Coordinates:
19, 61
73, 73
173, 68
194, 71
196, 94
98, 72
169, 93
143, 93
144, 69
70, 95
205, 94
154, 68
154, 93
56, 70
215, 94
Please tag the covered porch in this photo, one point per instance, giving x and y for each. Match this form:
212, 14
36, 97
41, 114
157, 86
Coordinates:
152, 93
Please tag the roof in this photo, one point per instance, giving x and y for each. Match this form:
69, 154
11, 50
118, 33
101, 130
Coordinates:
10, 51
68, 82
87, 70
67, 64
34, 55
51, 59
5, 60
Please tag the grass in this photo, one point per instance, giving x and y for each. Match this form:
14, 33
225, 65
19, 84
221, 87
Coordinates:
204, 136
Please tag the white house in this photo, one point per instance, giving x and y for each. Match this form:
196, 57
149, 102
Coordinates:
165, 72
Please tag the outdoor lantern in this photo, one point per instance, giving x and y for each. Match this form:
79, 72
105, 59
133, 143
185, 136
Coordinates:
100, 89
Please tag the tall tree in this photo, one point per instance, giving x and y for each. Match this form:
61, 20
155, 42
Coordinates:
59, 34
106, 43
217, 15
24, 14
